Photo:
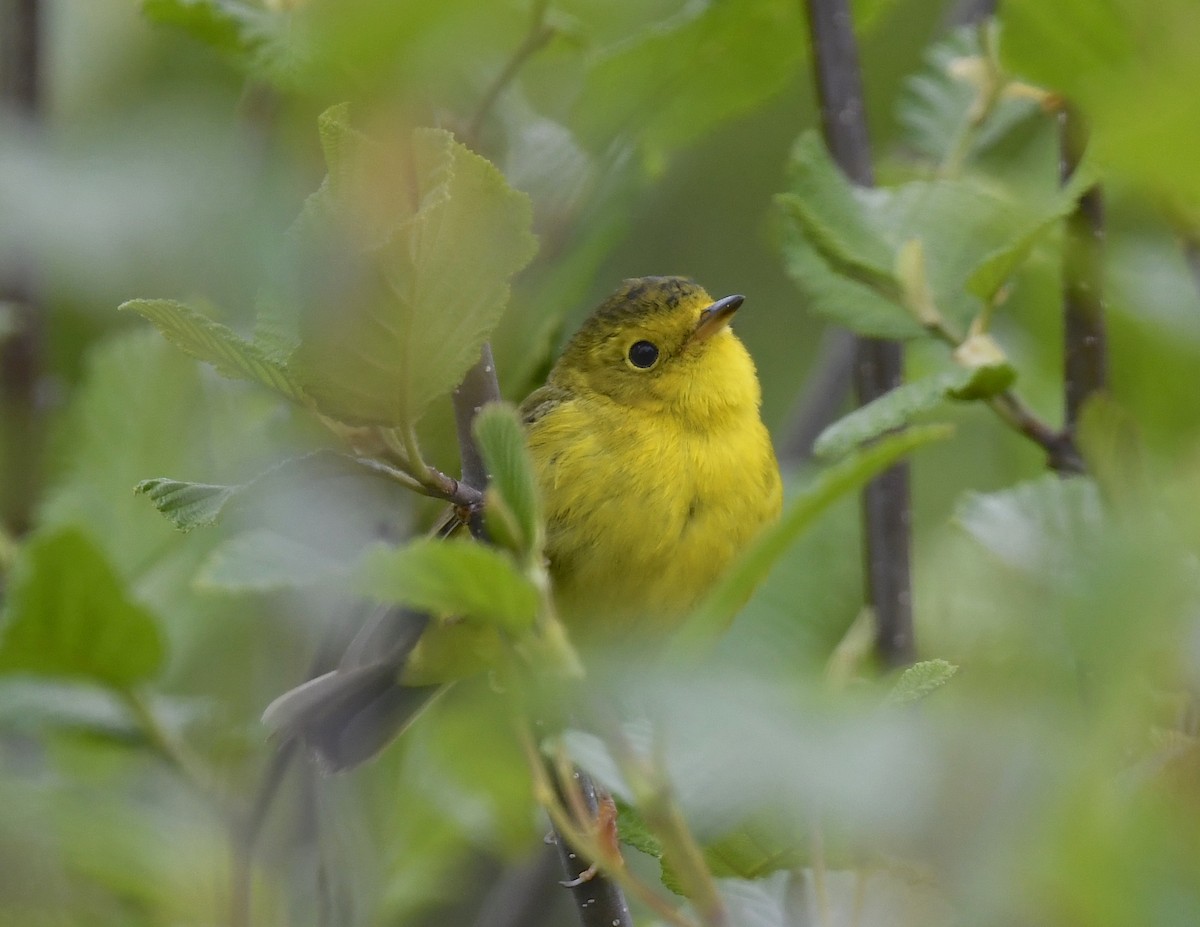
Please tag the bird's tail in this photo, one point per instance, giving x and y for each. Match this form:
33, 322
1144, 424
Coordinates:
348, 715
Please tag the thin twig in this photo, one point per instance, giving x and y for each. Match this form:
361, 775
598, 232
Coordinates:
1085, 343
879, 364
1061, 453
536, 38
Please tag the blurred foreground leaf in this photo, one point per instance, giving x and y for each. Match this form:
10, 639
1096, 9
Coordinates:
441, 233
1036, 526
228, 25
892, 410
513, 490
920, 680
261, 560
69, 614
187, 505
209, 341
453, 578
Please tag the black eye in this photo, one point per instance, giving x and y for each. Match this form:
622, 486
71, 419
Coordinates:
643, 354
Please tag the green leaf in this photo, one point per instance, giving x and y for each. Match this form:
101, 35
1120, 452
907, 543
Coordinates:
212, 342
502, 443
831, 250
452, 578
834, 214
261, 560
935, 106
847, 475
432, 257
683, 75
920, 681
1034, 526
890, 411
994, 271
634, 832
1112, 446
227, 25
29, 703
187, 505
69, 614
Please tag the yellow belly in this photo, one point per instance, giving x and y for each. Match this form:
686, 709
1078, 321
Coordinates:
642, 516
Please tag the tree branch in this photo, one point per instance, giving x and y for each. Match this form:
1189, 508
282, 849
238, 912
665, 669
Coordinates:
879, 364
1085, 342
21, 352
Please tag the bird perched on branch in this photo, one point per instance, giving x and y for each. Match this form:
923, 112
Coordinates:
655, 470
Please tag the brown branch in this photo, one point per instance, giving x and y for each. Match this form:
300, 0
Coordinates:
879, 364
1085, 343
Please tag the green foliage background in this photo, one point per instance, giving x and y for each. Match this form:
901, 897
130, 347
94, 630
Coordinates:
1054, 779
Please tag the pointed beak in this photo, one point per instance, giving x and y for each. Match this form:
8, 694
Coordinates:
715, 318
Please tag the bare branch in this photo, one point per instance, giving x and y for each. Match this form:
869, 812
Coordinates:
879, 364
1085, 343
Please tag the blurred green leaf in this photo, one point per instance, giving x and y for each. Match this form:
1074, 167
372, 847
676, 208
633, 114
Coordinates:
755, 850
1121, 64
502, 443
69, 614
895, 408
994, 271
29, 703
215, 344
261, 560
187, 505
633, 832
919, 681
1036, 525
452, 578
454, 233
847, 475
675, 80
1110, 441
228, 25
1063, 46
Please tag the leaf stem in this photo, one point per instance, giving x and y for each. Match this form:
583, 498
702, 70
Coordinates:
988, 93
655, 800
1061, 452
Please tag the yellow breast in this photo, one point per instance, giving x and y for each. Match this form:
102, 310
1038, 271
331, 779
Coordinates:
646, 507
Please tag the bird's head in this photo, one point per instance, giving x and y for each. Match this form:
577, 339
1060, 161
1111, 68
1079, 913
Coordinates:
662, 343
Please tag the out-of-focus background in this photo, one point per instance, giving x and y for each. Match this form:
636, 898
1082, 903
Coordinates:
167, 150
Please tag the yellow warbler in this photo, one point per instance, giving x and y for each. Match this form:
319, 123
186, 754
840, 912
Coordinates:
655, 469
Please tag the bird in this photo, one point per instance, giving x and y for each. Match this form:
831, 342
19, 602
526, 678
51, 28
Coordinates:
655, 470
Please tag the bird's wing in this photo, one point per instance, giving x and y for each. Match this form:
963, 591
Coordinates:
541, 401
